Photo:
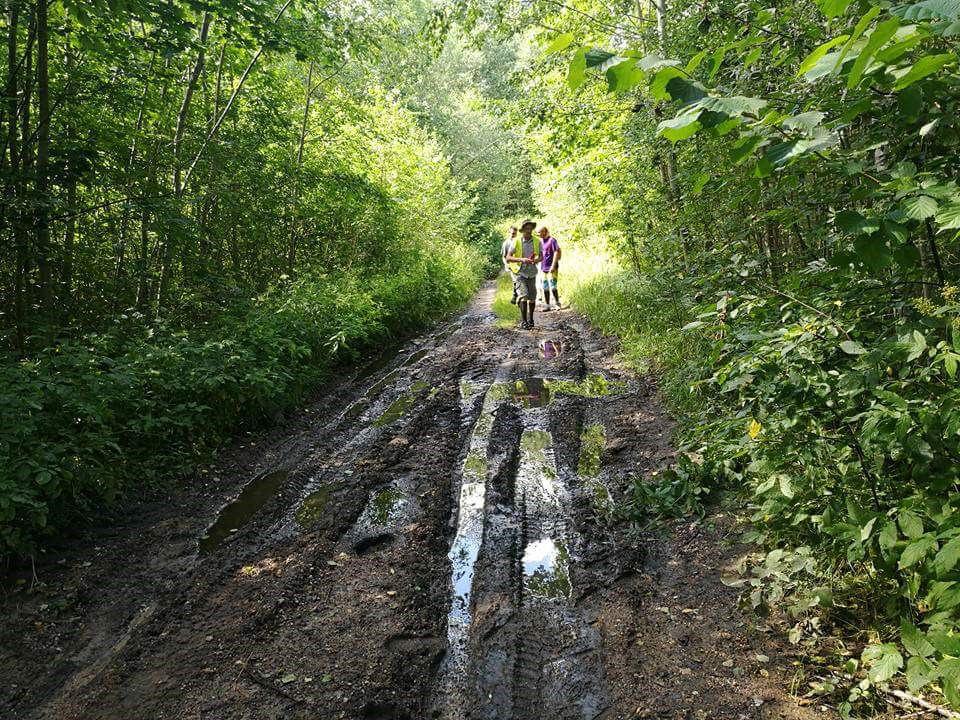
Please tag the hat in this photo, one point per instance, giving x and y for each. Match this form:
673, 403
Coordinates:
527, 222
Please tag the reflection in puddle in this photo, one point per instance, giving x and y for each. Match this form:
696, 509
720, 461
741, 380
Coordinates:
400, 406
466, 543
550, 349
232, 517
592, 441
312, 507
537, 475
592, 386
537, 392
546, 569
386, 506
527, 392
463, 557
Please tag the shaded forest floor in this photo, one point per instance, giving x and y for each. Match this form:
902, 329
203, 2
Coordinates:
430, 538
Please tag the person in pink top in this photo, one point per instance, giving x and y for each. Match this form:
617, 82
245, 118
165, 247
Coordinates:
549, 268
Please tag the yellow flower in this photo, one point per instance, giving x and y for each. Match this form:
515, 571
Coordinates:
924, 306
950, 292
753, 429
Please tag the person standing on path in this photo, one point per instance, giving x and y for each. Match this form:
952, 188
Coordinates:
526, 254
549, 267
506, 250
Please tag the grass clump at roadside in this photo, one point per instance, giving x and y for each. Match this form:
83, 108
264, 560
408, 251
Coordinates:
508, 314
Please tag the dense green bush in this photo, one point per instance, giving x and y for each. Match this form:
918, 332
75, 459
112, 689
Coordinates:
85, 422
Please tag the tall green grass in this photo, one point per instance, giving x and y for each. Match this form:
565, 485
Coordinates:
508, 314
621, 304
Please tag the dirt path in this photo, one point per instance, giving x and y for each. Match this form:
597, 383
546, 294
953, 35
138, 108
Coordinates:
430, 539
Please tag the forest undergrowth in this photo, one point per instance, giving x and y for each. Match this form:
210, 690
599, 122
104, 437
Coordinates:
772, 194
209, 209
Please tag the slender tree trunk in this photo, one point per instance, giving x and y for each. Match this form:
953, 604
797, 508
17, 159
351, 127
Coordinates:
69, 240
13, 151
43, 250
188, 92
23, 263
233, 96
218, 93
13, 18
934, 252
295, 226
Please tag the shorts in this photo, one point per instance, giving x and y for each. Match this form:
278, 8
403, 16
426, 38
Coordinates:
525, 287
549, 280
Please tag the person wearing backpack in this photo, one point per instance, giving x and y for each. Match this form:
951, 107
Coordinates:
526, 254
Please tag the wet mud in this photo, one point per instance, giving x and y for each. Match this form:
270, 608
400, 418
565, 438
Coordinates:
434, 537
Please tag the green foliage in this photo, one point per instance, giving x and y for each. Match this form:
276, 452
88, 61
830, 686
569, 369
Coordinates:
207, 207
773, 192
508, 314
86, 422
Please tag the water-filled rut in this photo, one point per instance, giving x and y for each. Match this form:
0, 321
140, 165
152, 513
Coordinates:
434, 536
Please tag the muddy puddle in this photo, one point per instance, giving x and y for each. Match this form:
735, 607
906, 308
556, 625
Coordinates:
239, 512
312, 508
589, 466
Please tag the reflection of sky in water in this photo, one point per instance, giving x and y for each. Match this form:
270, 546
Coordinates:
463, 555
540, 555
546, 568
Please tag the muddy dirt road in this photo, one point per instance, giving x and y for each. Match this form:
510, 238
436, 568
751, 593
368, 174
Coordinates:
431, 539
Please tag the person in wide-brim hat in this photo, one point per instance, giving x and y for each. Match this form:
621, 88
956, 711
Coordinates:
526, 254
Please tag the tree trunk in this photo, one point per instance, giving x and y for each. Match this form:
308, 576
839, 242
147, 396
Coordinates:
13, 19
69, 240
295, 228
188, 91
42, 213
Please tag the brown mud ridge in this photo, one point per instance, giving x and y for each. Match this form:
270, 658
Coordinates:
430, 539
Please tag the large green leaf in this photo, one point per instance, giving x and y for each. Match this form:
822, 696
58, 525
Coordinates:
624, 76
924, 67
948, 218
781, 153
833, 8
578, 69
817, 55
685, 91
683, 126
929, 10
560, 43
919, 207
883, 661
920, 673
878, 38
744, 147
595, 57
948, 556
914, 641
658, 88
853, 223
733, 106
950, 674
